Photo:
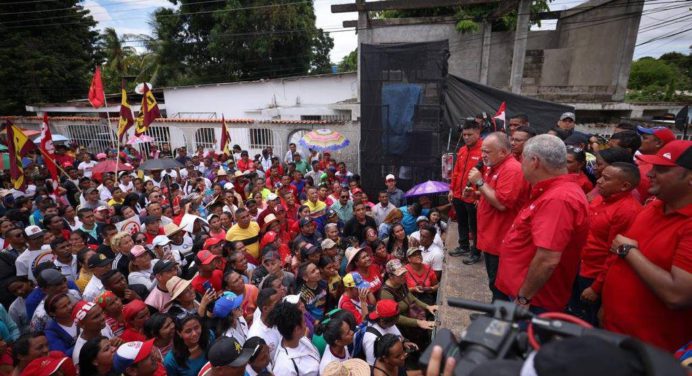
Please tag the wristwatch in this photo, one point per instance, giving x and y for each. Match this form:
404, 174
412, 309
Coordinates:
523, 300
624, 249
479, 183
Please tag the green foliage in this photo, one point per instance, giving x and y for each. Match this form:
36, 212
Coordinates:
350, 62
664, 79
45, 58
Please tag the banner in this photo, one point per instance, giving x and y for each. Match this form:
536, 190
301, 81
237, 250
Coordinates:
131, 225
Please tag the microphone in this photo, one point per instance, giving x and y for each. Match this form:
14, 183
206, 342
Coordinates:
478, 167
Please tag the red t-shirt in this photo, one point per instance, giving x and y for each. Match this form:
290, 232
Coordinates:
644, 183
467, 158
608, 218
556, 218
426, 278
244, 166
629, 305
130, 335
506, 178
352, 306
216, 280
150, 237
374, 277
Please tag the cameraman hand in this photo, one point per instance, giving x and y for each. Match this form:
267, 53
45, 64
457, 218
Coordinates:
588, 295
427, 325
436, 362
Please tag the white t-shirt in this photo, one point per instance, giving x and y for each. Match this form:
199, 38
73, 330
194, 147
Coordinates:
106, 332
304, 358
68, 270
369, 341
126, 188
143, 277
86, 168
239, 332
28, 260
270, 335
180, 251
437, 241
433, 256
93, 289
328, 357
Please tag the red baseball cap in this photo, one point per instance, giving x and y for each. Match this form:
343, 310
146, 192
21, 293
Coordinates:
206, 257
48, 365
674, 153
384, 309
81, 309
662, 133
211, 242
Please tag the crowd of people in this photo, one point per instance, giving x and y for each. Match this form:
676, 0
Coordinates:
283, 265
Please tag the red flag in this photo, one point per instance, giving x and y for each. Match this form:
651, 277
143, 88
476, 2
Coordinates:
500, 114
225, 139
96, 96
148, 113
47, 149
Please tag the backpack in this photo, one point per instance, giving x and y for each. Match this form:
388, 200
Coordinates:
356, 348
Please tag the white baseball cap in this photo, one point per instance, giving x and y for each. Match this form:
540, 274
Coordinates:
160, 240
389, 177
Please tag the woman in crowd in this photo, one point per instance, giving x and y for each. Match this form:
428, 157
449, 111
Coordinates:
135, 314
436, 221
61, 331
329, 271
391, 356
370, 239
161, 328
338, 334
85, 274
183, 298
412, 321
576, 165
380, 256
359, 260
226, 220
96, 357
397, 241
421, 280
228, 318
215, 228
190, 344
113, 310
121, 244
141, 265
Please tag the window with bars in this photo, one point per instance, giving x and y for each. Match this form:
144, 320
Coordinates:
261, 138
205, 137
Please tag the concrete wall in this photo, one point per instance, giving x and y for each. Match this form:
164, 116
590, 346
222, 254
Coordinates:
587, 57
286, 98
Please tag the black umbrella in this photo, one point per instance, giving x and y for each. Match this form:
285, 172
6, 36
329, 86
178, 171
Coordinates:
160, 164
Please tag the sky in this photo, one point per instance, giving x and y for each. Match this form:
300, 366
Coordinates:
133, 17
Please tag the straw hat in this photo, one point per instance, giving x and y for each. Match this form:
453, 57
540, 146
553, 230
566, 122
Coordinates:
351, 254
351, 367
176, 286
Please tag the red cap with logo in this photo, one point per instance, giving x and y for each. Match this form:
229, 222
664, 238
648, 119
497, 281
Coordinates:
674, 153
384, 309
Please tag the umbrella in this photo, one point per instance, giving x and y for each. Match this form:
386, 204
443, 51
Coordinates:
324, 140
56, 138
109, 166
134, 140
430, 187
160, 164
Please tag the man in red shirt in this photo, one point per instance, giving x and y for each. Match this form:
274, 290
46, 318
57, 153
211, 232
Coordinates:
461, 192
611, 213
540, 253
648, 290
499, 202
653, 139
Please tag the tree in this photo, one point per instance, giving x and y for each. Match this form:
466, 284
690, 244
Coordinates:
121, 61
350, 62
662, 79
48, 50
648, 71
322, 44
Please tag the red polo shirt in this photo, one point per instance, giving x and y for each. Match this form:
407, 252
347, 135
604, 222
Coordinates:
506, 178
584, 182
629, 305
608, 217
644, 183
555, 218
467, 158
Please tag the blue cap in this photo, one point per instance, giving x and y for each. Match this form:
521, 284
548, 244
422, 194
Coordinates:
354, 279
227, 303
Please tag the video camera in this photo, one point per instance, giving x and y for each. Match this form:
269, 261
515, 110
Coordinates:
499, 335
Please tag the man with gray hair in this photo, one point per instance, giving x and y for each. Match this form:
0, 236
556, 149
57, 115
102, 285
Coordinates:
501, 197
540, 253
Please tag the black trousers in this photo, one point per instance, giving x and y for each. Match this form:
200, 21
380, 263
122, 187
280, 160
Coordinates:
492, 262
584, 310
466, 218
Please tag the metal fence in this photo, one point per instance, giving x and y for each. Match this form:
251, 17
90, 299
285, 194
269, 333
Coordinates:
206, 138
97, 138
261, 138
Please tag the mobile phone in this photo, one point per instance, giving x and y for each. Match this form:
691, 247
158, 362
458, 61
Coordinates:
207, 286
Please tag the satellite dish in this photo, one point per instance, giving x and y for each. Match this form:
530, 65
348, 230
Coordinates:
139, 89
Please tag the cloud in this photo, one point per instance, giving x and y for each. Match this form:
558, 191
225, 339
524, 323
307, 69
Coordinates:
99, 13
345, 41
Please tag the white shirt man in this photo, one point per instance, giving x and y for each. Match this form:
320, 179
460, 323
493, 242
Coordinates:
270, 335
433, 256
69, 270
380, 212
370, 338
86, 168
303, 360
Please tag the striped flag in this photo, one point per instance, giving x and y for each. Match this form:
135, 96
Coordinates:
47, 149
18, 145
126, 119
148, 113
225, 139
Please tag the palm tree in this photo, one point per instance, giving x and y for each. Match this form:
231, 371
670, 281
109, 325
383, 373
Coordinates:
118, 56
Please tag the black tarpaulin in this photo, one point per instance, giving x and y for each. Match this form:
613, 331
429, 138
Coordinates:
464, 98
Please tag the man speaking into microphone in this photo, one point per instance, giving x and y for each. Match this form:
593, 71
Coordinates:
500, 190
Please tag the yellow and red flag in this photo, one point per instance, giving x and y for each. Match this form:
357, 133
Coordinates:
148, 113
126, 119
225, 139
47, 149
18, 145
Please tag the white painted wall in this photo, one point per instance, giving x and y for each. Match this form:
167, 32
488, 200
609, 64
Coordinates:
284, 98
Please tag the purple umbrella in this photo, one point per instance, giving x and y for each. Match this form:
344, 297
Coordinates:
430, 187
